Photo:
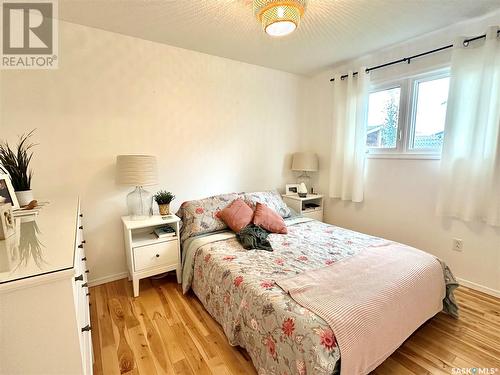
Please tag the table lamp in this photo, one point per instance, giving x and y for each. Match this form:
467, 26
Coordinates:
305, 162
138, 171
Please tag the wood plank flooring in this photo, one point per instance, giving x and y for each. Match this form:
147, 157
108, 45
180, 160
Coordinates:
164, 332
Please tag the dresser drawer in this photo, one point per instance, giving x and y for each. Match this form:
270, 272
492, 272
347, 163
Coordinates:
156, 255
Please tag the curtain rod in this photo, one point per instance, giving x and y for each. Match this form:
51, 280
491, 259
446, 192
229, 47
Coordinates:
408, 59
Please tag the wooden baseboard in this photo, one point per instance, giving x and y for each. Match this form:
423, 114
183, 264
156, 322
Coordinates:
108, 279
478, 287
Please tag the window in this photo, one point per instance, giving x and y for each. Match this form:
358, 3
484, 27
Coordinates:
406, 118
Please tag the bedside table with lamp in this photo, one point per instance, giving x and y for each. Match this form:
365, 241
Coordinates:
304, 203
148, 250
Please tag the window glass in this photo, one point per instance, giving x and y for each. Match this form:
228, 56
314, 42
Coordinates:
383, 113
428, 129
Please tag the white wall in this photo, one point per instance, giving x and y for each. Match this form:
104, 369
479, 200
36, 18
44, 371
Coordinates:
216, 125
401, 194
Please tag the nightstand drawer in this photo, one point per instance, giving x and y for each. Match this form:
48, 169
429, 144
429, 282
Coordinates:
314, 214
156, 255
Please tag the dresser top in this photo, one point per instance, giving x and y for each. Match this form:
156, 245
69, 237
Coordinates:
42, 244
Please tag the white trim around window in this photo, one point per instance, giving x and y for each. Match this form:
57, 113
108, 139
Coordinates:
407, 116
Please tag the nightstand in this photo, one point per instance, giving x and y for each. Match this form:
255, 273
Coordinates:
310, 206
147, 255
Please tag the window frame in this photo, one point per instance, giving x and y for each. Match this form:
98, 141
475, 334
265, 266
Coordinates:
407, 115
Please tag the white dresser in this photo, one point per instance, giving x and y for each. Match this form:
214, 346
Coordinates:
44, 303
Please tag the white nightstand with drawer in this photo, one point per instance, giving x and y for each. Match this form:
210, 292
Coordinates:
148, 255
310, 206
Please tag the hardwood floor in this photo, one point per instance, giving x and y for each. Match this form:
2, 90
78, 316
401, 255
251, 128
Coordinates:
164, 332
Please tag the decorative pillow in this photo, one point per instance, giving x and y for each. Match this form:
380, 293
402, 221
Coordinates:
268, 219
237, 215
271, 199
199, 216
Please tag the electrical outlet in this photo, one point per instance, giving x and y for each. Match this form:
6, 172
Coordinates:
458, 244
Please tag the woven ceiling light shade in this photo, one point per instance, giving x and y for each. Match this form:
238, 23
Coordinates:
279, 17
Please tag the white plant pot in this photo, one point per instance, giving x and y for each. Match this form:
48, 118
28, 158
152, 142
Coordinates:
24, 197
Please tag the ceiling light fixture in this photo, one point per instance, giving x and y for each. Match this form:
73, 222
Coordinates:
279, 17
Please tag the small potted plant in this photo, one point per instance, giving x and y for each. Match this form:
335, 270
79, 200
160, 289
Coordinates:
163, 198
16, 162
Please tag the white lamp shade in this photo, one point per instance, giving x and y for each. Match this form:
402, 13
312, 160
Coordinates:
136, 170
305, 161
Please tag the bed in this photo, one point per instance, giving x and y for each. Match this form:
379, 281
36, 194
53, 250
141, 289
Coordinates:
239, 288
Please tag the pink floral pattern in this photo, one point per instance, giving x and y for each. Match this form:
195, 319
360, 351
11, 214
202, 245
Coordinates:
199, 216
271, 346
238, 280
327, 339
288, 327
267, 284
237, 288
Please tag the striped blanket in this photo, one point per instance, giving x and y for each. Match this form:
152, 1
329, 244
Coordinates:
373, 301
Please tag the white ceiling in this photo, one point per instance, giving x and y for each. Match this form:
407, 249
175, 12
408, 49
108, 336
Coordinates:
331, 30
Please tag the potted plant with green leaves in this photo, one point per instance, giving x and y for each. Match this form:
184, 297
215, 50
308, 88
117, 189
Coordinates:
16, 162
163, 199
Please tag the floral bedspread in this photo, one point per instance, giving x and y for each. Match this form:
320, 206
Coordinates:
237, 287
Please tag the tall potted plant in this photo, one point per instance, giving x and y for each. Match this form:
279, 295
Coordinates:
16, 162
163, 198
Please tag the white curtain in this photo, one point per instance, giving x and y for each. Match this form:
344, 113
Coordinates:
470, 164
347, 164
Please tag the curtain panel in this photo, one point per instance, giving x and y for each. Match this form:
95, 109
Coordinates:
350, 107
470, 164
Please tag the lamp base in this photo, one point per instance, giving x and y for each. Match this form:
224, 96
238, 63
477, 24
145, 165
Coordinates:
304, 178
140, 204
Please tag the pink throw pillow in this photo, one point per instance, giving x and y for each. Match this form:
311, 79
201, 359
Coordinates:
237, 215
268, 219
